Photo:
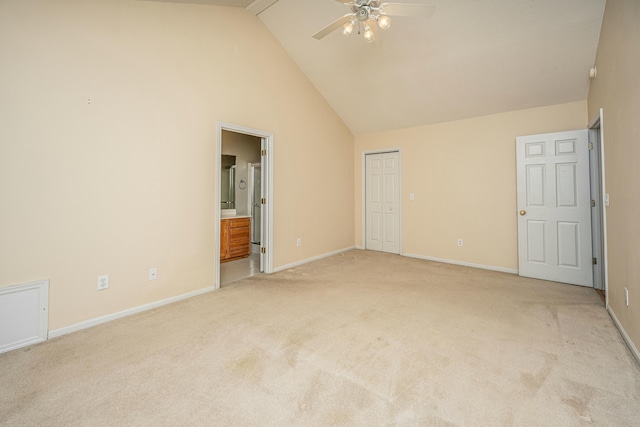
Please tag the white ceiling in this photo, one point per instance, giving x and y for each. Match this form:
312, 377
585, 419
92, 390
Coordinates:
473, 57
232, 3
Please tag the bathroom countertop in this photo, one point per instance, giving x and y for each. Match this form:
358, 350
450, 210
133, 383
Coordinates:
235, 216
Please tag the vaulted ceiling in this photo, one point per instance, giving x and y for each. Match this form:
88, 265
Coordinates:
473, 57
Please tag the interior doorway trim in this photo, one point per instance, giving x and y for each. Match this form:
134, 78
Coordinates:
267, 164
363, 244
596, 137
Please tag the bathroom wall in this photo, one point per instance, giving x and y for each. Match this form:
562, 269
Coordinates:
246, 148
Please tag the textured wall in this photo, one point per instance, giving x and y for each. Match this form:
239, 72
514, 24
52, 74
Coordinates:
617, 91
126, 181
463, 175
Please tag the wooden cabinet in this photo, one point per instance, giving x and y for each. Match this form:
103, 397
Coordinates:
224, 239
234, 238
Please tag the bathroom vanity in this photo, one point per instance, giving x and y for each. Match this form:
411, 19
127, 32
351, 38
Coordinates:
235, 237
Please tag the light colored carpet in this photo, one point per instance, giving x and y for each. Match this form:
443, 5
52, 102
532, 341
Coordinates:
361, 338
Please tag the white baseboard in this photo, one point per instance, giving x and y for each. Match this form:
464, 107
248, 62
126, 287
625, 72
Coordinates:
361, 248
98, 320
625, 336
109, 317
466, 264
315, 258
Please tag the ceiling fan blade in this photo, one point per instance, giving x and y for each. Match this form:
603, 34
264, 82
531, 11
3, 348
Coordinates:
344, 1
406, 9
333, 26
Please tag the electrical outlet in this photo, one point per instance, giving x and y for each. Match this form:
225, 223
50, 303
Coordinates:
153, 273
103, 282
460, 242
299, 242
626, 296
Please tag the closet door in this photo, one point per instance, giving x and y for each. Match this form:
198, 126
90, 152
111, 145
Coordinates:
382, 204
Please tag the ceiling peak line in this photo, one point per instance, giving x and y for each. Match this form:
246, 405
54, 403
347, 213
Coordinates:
259, 6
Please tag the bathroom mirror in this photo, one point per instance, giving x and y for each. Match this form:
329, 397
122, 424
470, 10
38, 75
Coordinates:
228, 182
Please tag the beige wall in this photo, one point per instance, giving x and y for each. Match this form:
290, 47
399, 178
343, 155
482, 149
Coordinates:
463, 175
126, 182
617, 91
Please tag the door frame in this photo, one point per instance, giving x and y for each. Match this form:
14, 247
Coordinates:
597, 176
364, 191
267, 171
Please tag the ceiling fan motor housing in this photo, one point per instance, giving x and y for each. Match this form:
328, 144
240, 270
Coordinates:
363, 13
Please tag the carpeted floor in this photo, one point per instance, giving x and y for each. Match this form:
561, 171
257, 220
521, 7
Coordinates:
361, 338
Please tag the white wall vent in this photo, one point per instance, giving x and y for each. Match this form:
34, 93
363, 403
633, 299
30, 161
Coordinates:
24, 315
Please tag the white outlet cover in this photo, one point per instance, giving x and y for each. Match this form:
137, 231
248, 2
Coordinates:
103, 282
153, 273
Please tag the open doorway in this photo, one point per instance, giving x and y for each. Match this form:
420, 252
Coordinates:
244, 212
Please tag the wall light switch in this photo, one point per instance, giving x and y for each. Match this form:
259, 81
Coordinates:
626, 296
606, 199
153, 273
412, 196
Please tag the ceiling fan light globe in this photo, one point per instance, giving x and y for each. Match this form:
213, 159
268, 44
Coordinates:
368, 34
347, 29
384, 22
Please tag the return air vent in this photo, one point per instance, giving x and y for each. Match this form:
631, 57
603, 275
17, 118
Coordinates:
24, 315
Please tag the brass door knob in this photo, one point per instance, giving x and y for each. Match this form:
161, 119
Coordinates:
523, 213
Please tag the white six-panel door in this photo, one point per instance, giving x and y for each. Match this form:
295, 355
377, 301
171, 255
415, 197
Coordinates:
554, 207
382, 204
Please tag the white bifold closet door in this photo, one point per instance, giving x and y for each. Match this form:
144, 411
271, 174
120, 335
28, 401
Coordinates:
382, 204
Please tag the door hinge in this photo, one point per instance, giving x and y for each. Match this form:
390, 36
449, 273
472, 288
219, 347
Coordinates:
591, 146
263, 201
593, 203
264, 250
595, 261
264, 152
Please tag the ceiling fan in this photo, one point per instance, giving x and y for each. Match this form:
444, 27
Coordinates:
364, 13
